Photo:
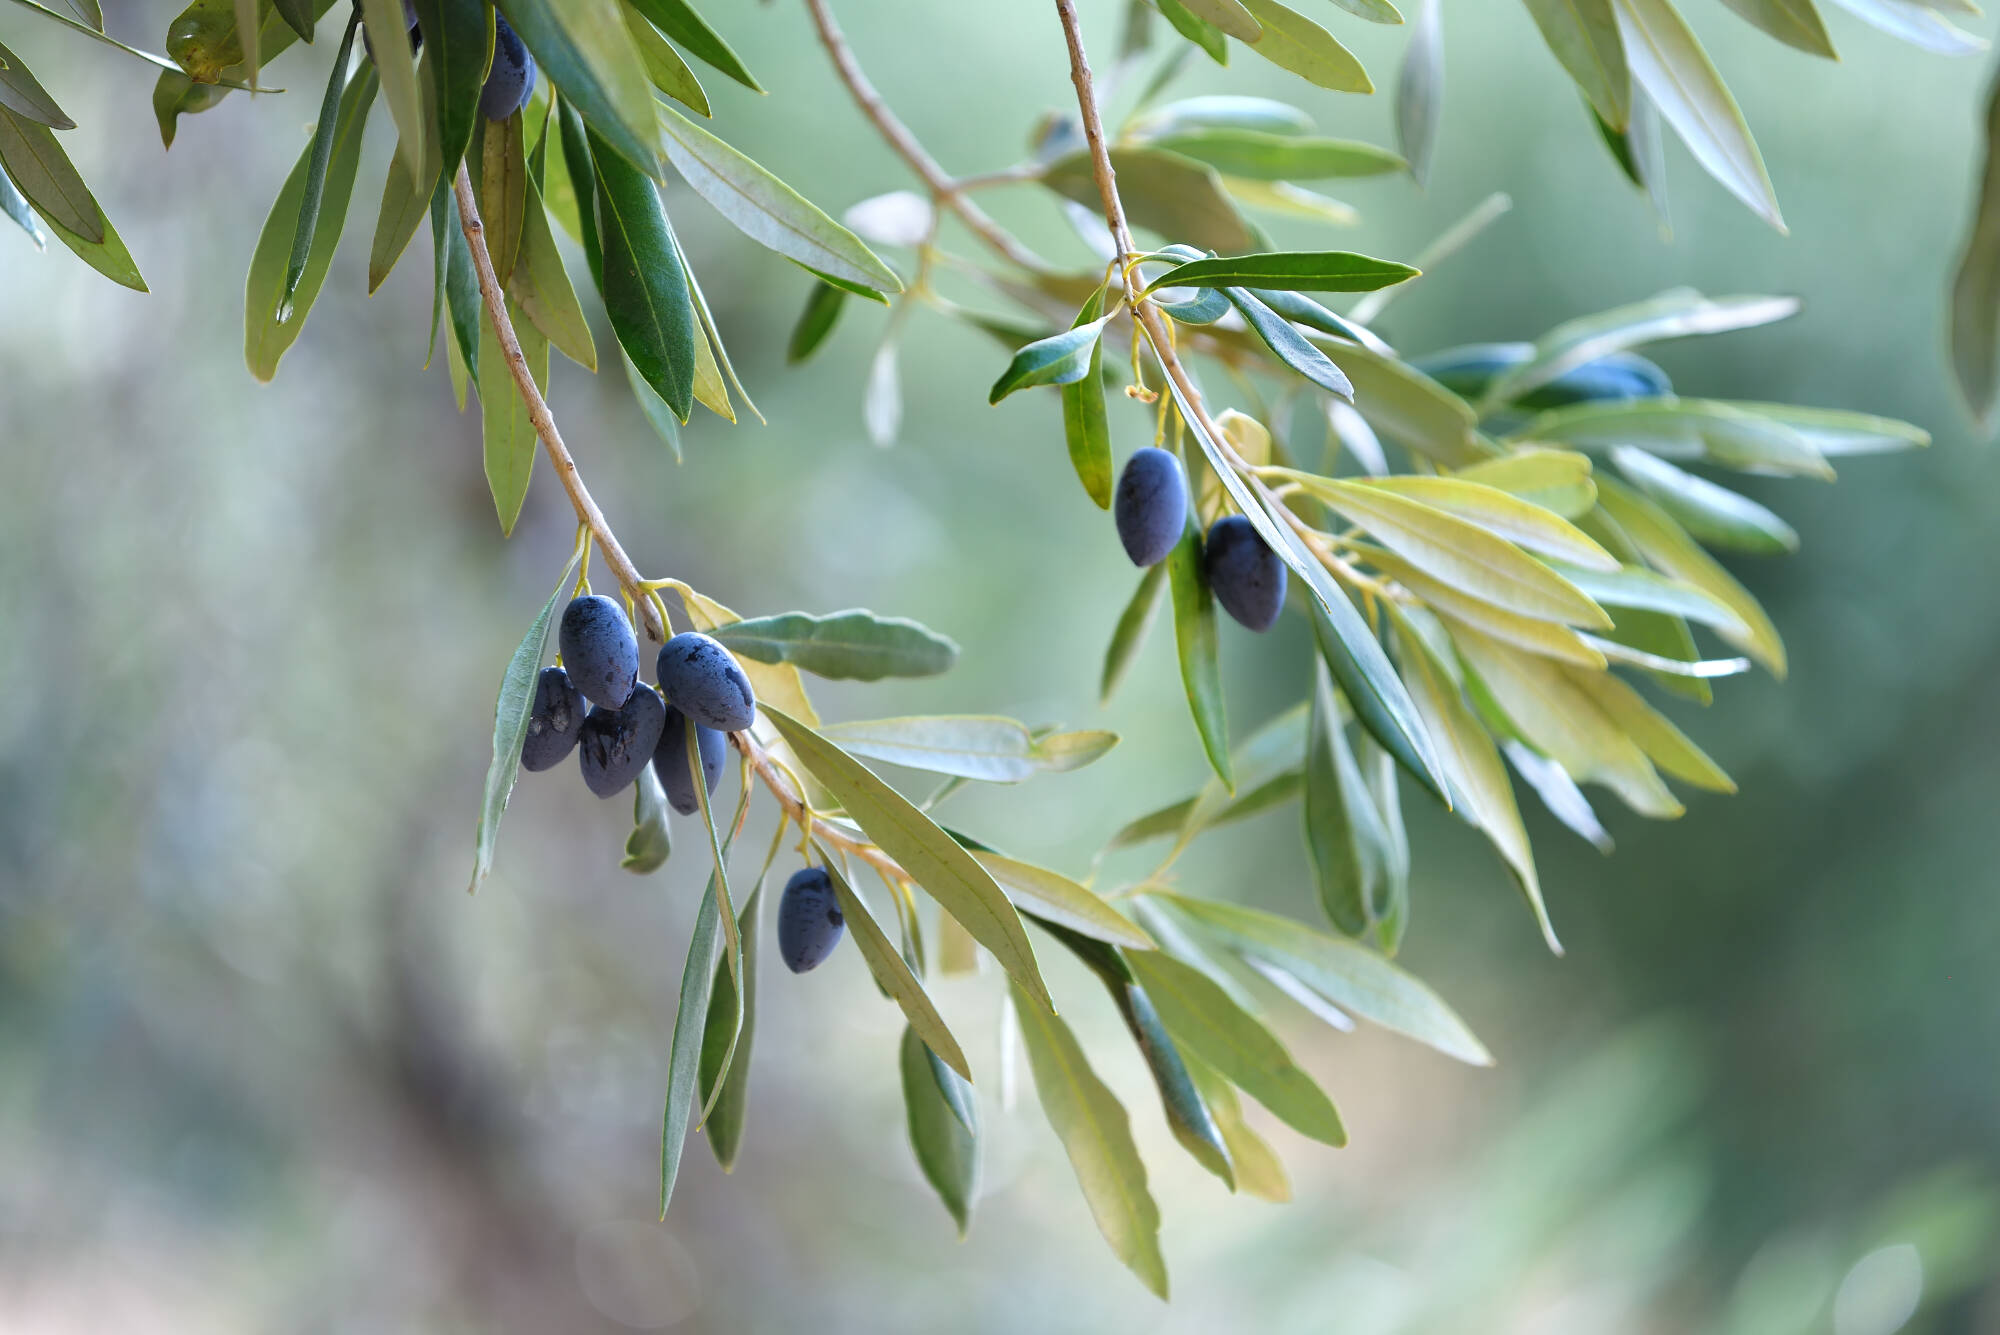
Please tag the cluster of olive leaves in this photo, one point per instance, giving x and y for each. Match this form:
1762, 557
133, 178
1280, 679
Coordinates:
1470, 608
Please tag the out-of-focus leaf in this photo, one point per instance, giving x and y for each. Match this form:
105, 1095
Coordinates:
1291, 200
892, 974
1199, 31
1229, 16
1558, 481
1060, 359
1499, 512
1584, 35
855, 645
1668, 63
584, 48
1409, 407
1289, 271
1479, 780
970, 746
645, 289
1049, 895
271, 321
947, 1149
1420, 90
1086, 429
1345, 839
1796, 23
510, 725
1834, 432
1458, 607
1668, 549
1177, 197
1130, 632
1559, 793
767, 210
1698, 430
1375, 11
23, 94
1173, 819
651, 842
882, 398
823, 306
1097, 1136
731, 1102
15, 207
1642, 589
1713, 515
1552, 713
1679, 313
1975, 287
510, 438
1346, 973
1917, 23
1195, 638
1260, 155
680, 22
1294, 42
1664, 744
299, 16
1200, 1014
690, 1024
1223, 111
1259, 1171
51, 182
458, 48
932, 858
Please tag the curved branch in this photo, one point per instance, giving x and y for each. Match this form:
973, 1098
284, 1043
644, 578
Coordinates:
947, 192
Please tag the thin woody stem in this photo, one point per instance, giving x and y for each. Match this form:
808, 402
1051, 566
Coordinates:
564, 463
636, 587
947, 192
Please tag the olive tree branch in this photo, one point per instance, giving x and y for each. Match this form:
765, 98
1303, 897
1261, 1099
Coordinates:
945, 191
1149, 318
592, 518
638, 590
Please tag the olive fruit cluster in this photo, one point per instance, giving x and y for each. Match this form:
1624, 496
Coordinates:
1151, 510
629, 723
511, 80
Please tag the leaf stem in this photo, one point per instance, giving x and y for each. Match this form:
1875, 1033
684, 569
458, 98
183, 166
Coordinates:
947, 192
592, 518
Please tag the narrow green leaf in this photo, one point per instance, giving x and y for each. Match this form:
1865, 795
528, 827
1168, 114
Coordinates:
503, 191
405, 197
932, 858
23, 94
1714, 515
317, 157
1223, 111
1227, 15
511, 442
1061, 359
1086, 429
458, 49
1664, 744
1130, 632
731, 1101
1686, 430
1345, 838
1584, 35
459, 283
1667, 61
680, 22
1197, 30
1349, 975
1173, 819
1420, 90
1834, 432
645, 289
1260, 155
1375, 11
892, 973
684, 1053
1055, 897
1195, 639
299, 16
1558, 481
541, 284
46, 176
584, 48
1097, 1136
272, 322
1505, 515
1200, 1015
855, 645
823, 306
1294, 42
1290, 271
1640, 589
1796, 23
395, 63
732, 935
767, 210
1259, 1171
1917, 22
510, 725
1289, 346
971, 746
664, 66
947, 1149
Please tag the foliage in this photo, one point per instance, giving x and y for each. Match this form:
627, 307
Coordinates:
1484, 598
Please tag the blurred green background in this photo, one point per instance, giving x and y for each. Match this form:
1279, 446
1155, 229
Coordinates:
265, 1067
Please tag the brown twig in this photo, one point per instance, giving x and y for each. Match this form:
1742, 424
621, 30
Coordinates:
794, 806
946, 191
564, 463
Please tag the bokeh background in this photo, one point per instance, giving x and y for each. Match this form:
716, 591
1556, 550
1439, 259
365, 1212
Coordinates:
264, 1066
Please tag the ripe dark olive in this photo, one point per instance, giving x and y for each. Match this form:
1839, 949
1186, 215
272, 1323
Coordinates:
705, 683
809, 920
599, 650
1151, 505
1245, 575
555, 722
615, 744
511, 80
670, 761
